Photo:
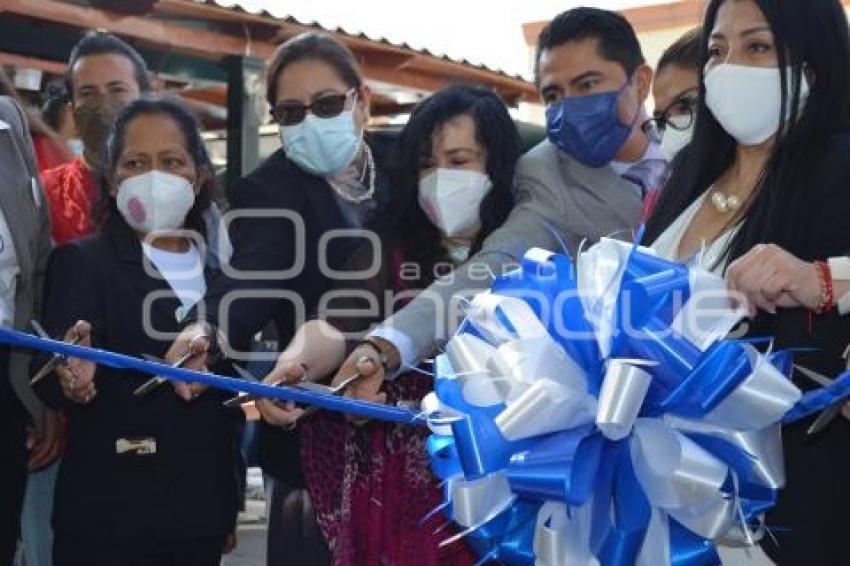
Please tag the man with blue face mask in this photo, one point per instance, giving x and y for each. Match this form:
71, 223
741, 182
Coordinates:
594, 81
589, 179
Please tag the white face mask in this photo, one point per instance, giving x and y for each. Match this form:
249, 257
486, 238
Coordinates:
451, 199
675, 138
155, 201
322, 146
747, 101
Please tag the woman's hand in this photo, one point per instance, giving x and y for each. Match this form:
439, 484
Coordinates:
197, 340
770, 277
283, 413
364, 361
76, 376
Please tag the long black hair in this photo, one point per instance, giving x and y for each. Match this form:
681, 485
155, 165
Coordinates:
809, 37
420, 240
106, 211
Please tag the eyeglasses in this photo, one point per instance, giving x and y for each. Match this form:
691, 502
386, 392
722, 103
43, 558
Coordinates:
328, 105
685, 106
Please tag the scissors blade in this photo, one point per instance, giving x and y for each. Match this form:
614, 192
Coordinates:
249, 397
244, 373
334, 391
242, 398
821, 380
827, 416
156, 381
39, 329
55, 360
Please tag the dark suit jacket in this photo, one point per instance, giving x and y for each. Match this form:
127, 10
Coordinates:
276, 273
286, 246
190, 487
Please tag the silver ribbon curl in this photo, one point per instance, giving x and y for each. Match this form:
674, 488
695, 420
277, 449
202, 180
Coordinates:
623, 391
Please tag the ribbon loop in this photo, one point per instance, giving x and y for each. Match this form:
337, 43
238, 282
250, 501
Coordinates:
623, 390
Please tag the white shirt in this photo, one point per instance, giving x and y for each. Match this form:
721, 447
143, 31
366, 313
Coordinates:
653, 152
184, 272
9, 270
667, 244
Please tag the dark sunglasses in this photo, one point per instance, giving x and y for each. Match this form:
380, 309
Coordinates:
325, 106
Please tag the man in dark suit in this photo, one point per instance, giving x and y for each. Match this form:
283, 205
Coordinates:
24, 248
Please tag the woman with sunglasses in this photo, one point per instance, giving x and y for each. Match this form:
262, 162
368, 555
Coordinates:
288, 226
370, 482
760, 196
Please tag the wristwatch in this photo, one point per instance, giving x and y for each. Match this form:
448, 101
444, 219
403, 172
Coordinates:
840, 269
388, 355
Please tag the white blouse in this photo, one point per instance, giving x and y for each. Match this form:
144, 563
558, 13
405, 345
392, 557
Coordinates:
667, 244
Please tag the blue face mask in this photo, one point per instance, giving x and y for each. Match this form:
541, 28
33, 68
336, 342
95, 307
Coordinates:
588, 128
322, 146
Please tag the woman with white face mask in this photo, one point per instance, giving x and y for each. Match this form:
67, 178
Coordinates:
452, 188
760, 195
675, 89
145, 478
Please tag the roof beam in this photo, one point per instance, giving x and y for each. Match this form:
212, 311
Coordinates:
32, 63
211, 45
382, 61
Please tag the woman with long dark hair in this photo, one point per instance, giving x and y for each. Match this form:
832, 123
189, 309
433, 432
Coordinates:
760, 194
371, 484
147, 479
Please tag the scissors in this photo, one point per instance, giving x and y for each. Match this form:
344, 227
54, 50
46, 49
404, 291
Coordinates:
240, 400
338, 390
827, 415
55, 360
153, 383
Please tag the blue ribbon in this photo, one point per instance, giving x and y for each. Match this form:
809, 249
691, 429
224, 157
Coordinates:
819, 399
121, 361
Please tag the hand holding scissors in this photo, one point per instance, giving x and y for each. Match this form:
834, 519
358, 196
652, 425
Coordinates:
76, 377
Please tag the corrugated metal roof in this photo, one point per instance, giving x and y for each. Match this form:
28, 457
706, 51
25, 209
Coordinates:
239, 8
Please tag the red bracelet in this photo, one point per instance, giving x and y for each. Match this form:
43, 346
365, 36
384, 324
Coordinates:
827, 298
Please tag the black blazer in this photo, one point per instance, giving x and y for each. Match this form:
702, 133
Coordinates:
810, 518
190, 487
270, 244
278, 244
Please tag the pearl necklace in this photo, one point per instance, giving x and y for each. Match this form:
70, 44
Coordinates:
724, 203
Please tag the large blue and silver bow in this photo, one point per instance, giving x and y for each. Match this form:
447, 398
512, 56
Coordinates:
594, 414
